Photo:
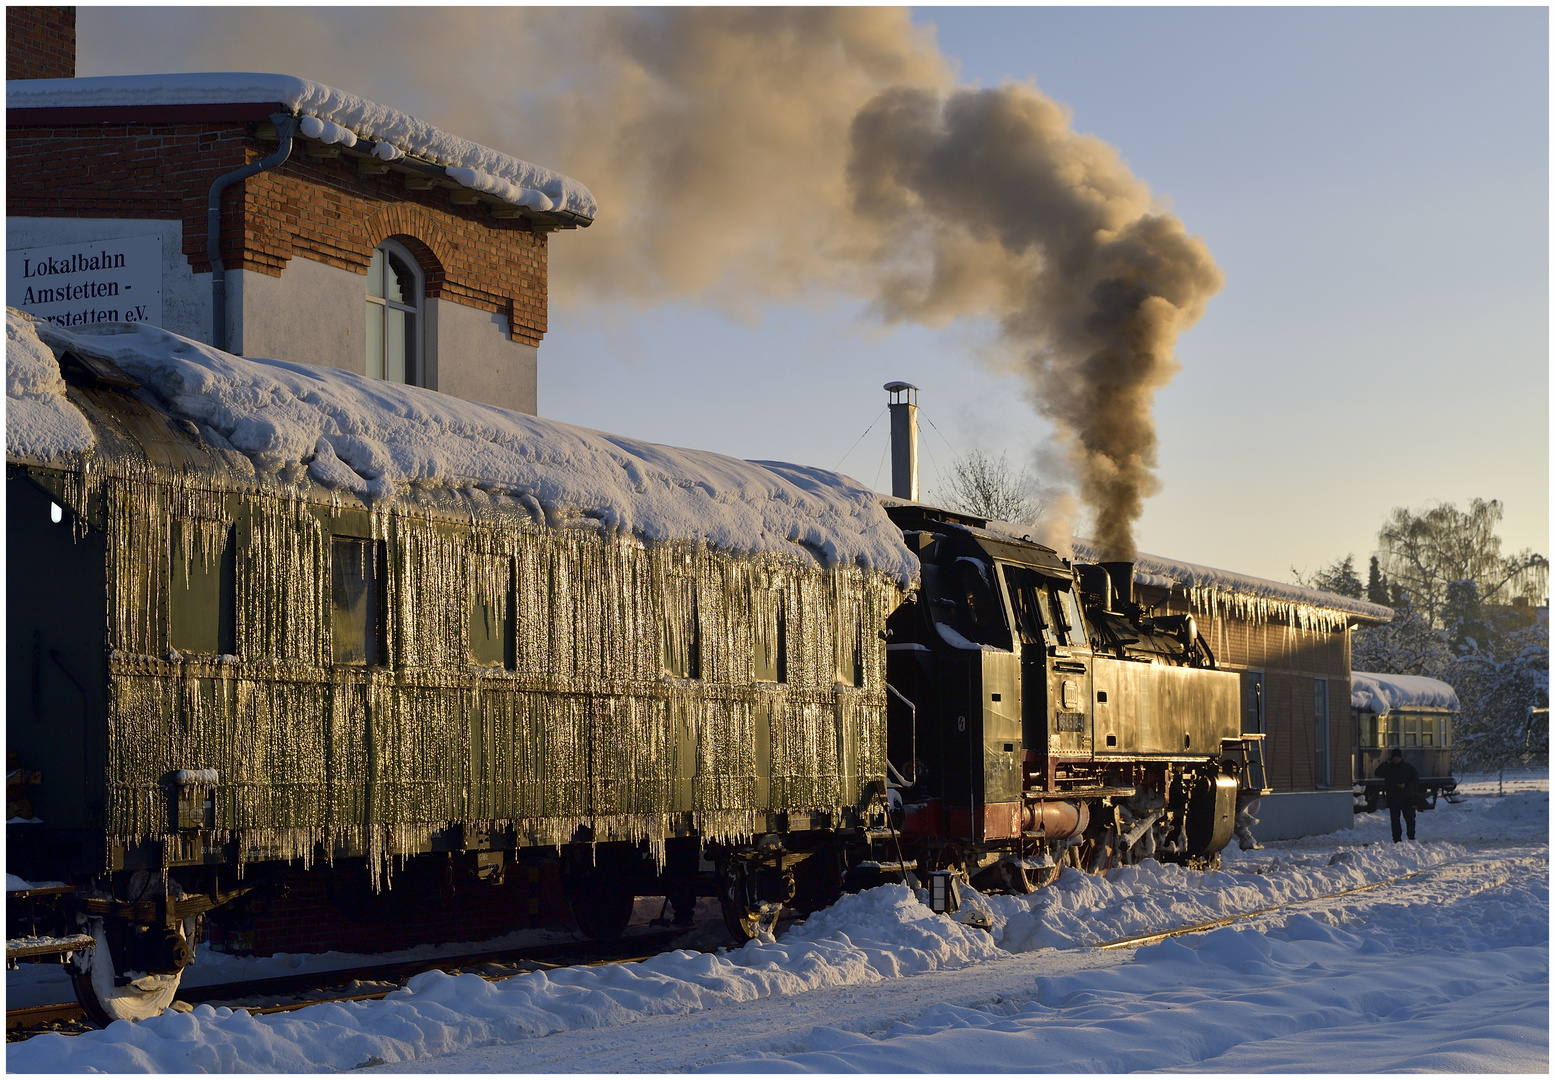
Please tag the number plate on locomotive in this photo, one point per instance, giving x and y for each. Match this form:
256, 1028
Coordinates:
1070, 721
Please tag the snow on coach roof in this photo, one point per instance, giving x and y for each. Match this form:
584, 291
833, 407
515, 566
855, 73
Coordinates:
1244, 595
376, 439
467, 163
1381, 694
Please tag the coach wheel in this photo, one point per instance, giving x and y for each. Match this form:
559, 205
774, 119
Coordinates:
117, 980
134, 969
752, 898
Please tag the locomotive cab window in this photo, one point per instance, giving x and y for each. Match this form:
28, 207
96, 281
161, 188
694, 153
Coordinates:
1067, 609
357, 574
770, 653
979, 608
682, 636
202, 587
1029, 600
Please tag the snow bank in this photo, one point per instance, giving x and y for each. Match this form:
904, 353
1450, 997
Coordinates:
1381, 694
1460, 993
36, 412
1448, 971
867, 938
358, 117
375, 439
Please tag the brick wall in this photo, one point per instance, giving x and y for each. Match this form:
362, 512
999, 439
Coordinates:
40, 43
320, 208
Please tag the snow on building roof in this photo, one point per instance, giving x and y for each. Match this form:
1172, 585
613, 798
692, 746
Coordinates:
467, 163
1223, 591
375, 439
1381, 694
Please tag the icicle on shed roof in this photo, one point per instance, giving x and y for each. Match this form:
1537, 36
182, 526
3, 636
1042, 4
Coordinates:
382, 441
1224, 592
1382, 694
330, 115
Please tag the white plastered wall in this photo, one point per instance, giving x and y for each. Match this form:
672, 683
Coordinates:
470, 355
312, 314
186, 296
315, 314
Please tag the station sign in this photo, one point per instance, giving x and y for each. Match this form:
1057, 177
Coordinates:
76, 284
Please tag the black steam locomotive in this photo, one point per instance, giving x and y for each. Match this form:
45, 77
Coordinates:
214, 679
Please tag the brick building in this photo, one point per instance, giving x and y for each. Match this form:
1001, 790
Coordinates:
345, 233
1291, 647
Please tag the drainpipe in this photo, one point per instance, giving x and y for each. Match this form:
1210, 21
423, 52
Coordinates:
286, 127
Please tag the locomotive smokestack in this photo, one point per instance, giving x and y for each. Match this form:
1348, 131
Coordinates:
1122, 575
904, 440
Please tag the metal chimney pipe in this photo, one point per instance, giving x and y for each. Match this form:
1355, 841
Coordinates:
904, 440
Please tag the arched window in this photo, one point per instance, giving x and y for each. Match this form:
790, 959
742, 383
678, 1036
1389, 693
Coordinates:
395, 288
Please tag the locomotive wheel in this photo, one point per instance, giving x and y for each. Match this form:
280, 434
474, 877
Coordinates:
105, 995
752, 902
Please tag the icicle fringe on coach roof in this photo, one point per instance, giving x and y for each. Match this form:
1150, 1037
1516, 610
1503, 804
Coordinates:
300, 428
539, 671
1242, 596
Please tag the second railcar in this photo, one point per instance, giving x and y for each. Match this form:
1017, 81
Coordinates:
1411, 712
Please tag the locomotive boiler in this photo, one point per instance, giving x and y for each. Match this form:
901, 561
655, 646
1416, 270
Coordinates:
233, 650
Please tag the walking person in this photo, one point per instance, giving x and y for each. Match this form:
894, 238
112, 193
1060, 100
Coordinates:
1400, 780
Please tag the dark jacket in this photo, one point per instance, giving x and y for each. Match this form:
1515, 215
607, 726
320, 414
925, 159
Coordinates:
1399, 781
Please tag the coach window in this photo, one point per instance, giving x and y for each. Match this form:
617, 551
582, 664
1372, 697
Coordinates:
357, 572
682, 636
850, 652
202, 590
395, 290
491, 614
771, 636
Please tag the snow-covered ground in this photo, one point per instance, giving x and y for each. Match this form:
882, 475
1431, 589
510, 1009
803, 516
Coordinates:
1445, 966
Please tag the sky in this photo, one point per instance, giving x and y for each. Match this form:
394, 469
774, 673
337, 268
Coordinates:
1372, 183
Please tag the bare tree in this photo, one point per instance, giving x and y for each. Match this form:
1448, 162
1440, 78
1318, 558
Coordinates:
990, 489
1423, 554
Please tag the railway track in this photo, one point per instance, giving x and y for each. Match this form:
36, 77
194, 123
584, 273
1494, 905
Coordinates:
1228, 920
68, 1018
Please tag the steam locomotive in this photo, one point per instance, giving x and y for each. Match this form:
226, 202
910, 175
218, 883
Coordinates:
217, 679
